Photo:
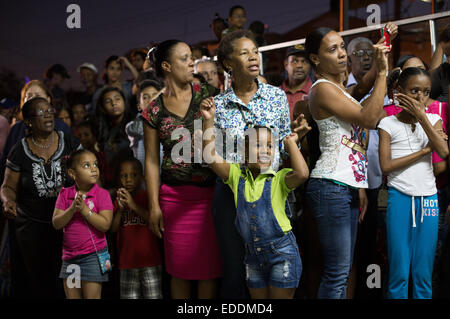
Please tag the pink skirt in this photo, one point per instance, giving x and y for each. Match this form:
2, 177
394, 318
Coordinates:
190, 244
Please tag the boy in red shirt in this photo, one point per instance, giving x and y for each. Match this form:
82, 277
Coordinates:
139, 256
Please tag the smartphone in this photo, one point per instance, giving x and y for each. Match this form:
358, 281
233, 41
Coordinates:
387, 38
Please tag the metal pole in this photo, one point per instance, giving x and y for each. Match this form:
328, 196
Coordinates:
360, 30
432, 35
261, 65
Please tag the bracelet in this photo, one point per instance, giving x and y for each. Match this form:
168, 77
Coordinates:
89, 214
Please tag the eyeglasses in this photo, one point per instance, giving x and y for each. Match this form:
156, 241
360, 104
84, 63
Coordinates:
360, 53
206, 73
41, 113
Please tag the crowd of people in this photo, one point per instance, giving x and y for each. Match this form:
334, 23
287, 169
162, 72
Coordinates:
186, 183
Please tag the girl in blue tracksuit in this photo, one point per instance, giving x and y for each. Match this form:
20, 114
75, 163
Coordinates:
407, 140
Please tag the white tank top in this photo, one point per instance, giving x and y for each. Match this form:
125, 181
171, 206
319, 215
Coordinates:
343, 150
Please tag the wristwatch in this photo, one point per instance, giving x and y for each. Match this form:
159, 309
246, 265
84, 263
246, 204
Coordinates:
89, 214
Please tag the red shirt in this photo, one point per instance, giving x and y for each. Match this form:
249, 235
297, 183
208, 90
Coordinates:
300, 95
136, 244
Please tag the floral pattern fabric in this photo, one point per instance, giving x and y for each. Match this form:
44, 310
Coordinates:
269, 107
343, 148
182, 162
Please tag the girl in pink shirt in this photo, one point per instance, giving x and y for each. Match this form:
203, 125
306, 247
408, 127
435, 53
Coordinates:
84, 212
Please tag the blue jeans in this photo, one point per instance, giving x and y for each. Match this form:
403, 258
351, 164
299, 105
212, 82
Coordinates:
276, 264
335, 208
272, 257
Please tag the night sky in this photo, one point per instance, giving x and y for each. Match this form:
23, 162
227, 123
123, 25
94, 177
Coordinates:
34, 34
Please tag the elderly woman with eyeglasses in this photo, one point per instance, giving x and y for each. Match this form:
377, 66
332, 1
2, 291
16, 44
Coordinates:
33, 178
34, 88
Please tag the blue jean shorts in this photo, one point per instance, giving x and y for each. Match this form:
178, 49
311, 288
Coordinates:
89, 268
275, 263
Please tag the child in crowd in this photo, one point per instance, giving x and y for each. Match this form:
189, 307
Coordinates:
440, 166
272, 260
87, 134
64, 114
237, 19
112, 116
78, 113
407, 140
112, 76
84, 212
139, 257
147, 91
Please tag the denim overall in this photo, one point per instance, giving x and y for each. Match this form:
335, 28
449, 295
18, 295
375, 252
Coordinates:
271, 256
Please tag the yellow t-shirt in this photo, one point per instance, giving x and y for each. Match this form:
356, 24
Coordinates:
253, 189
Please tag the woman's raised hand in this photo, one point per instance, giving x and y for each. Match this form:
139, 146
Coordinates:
300, 126
380, 52
208, 108
392, 28
125, 61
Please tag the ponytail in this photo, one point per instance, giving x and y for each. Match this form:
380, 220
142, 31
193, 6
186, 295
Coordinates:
392, 80
160, 53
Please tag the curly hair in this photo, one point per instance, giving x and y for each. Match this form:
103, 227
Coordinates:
226, 45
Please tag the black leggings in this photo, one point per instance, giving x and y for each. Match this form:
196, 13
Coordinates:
231, 245
35, 259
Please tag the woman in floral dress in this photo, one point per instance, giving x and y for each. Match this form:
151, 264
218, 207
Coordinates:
181, 205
